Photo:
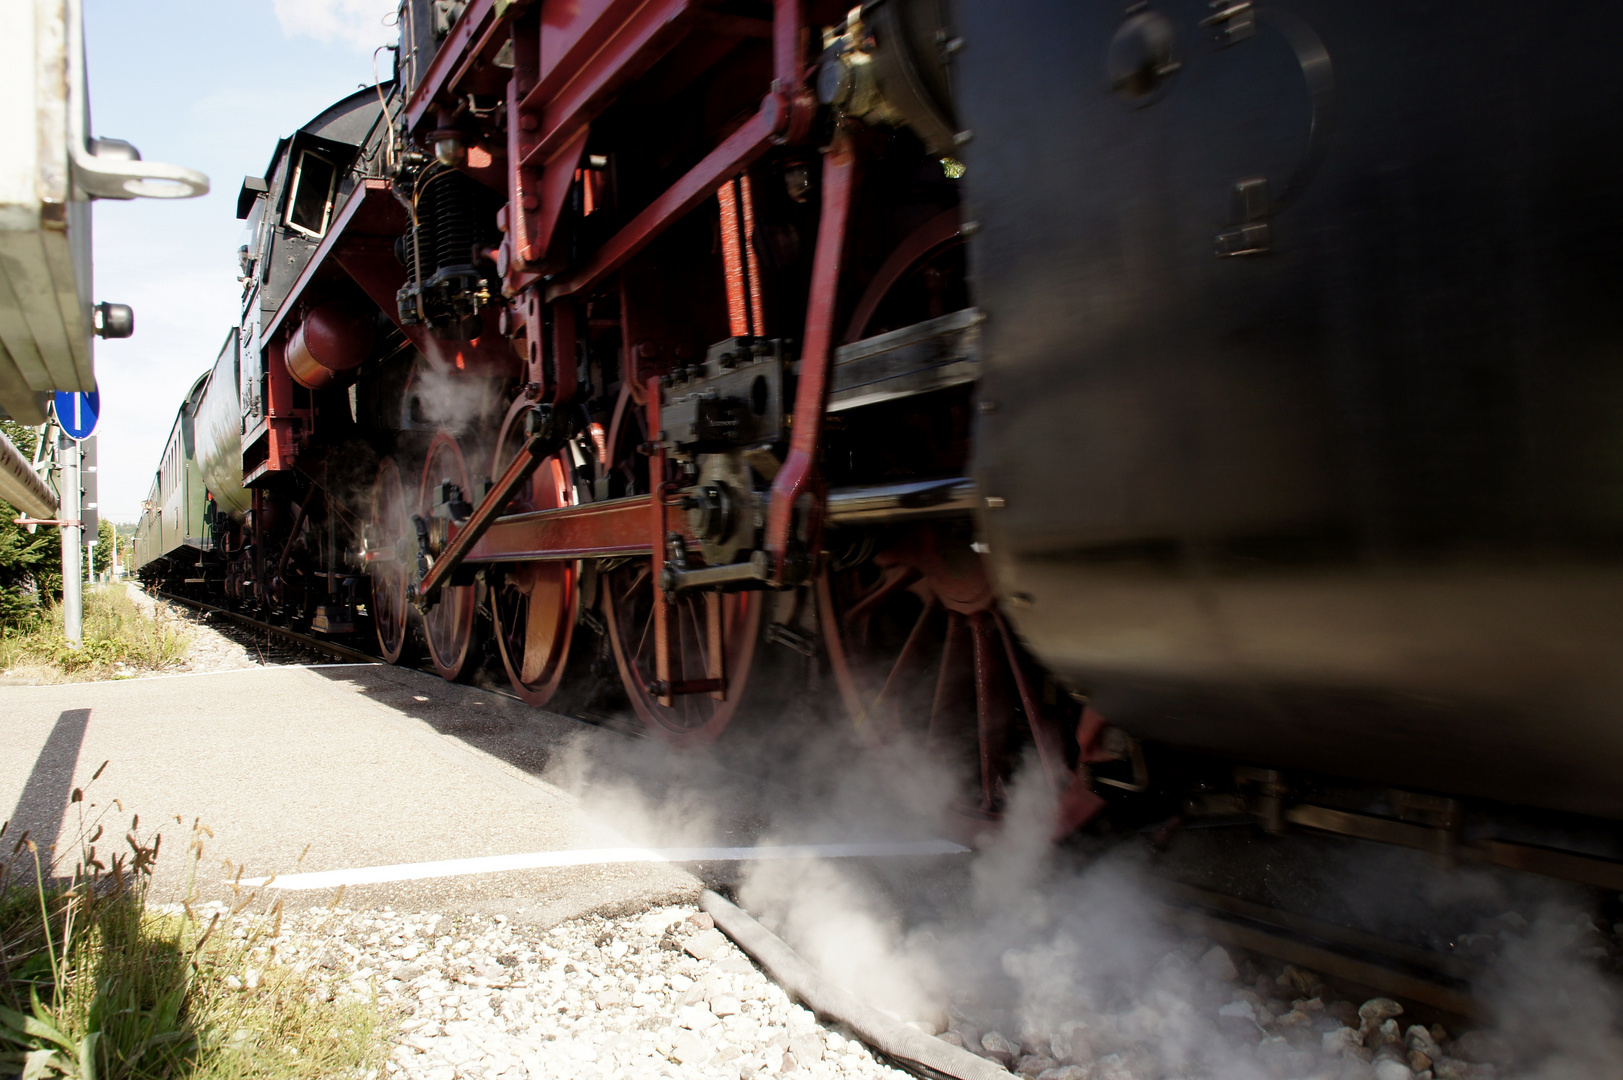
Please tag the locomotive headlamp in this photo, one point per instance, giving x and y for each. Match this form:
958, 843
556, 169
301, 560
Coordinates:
448, 148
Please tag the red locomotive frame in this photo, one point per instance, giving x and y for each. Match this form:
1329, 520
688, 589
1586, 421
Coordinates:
556, 68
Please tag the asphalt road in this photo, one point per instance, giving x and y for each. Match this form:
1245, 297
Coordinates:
352, 766
336, 770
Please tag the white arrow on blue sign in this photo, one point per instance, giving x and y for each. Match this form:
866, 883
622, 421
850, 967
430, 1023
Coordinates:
76, 412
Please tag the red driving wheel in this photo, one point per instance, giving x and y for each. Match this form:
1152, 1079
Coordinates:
702, 626
915, 641
534, 604
709, 632
448, 626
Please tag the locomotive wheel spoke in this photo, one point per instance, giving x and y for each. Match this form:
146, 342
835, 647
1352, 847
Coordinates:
913, 657
697, 621
1045, 731
896, 578
916, 649
689, 719
993, 712
388, 528
952, 719
448, 626
534, 605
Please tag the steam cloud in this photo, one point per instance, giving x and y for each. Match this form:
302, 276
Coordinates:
1062, 957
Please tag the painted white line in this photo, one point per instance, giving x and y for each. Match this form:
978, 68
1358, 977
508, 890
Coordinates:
490, 864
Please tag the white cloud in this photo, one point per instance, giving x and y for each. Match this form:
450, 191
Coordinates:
360, 24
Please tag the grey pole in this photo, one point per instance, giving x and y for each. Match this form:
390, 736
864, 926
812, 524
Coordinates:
73, 574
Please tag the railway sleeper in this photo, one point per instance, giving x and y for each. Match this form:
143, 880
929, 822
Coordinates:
1439, 830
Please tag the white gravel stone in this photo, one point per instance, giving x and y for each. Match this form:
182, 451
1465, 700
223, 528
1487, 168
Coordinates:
1418, 1038
807, 1047
1339, 1041
705, 944
1217, 964
1377, 1010
1387, 1069
695, 1017
995, 1042
473, 998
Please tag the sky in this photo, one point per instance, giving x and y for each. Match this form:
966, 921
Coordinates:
210, 85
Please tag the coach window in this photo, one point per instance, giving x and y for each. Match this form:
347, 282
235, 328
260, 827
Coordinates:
309, 208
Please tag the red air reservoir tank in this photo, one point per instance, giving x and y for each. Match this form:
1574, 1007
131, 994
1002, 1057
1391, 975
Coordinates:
331, 340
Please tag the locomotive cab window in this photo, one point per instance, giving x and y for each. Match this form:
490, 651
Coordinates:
309, 207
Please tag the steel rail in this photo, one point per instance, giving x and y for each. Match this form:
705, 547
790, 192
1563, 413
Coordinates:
1259, 933
1453, 967
331, 648
1526, 858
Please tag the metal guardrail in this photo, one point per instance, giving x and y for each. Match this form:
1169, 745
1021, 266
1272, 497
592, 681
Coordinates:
21, 486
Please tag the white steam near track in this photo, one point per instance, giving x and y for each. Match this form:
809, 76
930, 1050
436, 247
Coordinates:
363, 24
1058, 966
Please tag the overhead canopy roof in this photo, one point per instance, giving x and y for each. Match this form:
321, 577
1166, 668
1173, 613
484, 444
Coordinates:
49, 171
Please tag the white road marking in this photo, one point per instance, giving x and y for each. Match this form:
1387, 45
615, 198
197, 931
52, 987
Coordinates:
490, 864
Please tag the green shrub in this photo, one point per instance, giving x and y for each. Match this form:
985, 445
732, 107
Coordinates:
30, 563
120, 640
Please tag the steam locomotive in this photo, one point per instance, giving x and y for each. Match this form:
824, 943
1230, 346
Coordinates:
1208, 402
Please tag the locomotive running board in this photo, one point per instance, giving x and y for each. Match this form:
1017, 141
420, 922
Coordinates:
930, 355
914, 499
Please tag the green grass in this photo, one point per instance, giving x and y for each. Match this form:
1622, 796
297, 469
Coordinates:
120, 641
98, 984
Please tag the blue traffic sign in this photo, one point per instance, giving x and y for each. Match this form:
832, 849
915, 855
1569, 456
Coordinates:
76, 412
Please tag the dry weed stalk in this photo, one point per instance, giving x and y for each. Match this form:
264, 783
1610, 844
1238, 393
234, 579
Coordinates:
96, 984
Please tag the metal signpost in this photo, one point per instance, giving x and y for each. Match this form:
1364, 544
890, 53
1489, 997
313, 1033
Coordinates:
89, 503
76, 415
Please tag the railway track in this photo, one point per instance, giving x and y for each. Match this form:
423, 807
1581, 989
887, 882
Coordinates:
304, 641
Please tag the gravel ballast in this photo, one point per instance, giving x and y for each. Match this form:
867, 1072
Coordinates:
656, 994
